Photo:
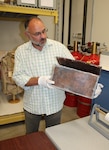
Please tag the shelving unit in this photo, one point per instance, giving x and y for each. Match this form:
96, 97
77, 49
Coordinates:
13, 12
12, 118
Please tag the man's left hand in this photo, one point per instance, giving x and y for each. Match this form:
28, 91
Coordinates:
98, 90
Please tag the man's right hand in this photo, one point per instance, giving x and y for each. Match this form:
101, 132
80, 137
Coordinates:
45, 81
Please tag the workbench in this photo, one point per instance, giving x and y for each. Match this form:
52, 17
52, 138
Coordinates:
77, 135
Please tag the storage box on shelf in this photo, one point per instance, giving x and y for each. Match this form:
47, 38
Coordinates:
47, 4
32, 3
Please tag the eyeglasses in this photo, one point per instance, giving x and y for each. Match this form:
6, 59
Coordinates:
39, 33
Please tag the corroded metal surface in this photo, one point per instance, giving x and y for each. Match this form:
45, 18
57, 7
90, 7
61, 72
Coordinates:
77, 81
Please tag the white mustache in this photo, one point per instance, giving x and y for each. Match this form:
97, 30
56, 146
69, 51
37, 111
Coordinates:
38, 43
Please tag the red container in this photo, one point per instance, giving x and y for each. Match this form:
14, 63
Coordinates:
85, 58
84, 106
77, 55
71, 100
94, 59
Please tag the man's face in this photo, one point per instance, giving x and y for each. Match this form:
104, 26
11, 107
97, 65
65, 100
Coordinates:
36, 32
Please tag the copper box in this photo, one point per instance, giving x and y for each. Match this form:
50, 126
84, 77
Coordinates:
76, 77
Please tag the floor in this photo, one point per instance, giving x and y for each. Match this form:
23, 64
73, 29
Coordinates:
18, 129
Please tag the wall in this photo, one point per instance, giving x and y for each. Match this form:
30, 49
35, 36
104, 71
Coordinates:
15, 30
59, 25
96, 29
99, 30
76, 20
66, 22
89, 22
12, 32
100, 24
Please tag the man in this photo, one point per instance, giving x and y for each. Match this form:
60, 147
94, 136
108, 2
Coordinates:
34, 62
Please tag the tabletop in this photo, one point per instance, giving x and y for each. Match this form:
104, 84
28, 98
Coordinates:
77, 135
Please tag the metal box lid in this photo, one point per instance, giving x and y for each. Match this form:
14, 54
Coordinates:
76, 77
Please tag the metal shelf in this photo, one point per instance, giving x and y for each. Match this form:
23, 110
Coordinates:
13, 11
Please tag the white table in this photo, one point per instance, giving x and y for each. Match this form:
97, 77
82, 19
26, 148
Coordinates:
77, 135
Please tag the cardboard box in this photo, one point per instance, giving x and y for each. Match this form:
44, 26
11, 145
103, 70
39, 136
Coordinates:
50, 4
76, 77
32, 3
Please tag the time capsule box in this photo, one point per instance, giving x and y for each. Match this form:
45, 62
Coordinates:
76, 77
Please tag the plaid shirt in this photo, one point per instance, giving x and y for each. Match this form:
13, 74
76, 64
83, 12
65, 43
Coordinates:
30, 62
